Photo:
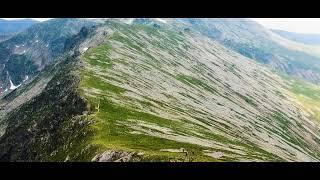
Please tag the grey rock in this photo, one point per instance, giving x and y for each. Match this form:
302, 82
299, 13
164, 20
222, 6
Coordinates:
113, 156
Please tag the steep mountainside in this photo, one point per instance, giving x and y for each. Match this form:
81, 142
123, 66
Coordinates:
27, 53
256, 42
134, 92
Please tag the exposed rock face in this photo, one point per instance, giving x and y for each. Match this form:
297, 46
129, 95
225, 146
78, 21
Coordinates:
114, 156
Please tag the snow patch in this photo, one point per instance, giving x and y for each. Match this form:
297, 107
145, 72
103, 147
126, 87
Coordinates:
129, 21
24, 51
17, 46
26, 78
12, 86
37, 41
47, 45
85, 49
161, 20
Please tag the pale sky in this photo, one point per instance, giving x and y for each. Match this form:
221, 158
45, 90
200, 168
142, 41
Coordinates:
299, 25
38, 19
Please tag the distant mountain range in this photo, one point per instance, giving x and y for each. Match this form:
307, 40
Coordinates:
256, 42
313, 39
28, 52
6, 36
14, 26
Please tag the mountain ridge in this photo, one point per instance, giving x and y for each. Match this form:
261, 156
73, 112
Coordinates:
150, 93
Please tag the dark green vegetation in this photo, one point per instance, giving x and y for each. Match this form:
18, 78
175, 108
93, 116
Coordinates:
247, 99
46, 123
51, 126
19, 66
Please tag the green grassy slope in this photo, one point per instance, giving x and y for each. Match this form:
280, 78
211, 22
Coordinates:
163, 94
130, 122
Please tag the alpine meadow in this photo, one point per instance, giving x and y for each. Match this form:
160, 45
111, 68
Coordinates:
157, 89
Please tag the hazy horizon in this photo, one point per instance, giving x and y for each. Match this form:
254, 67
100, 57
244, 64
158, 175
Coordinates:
38, 19
297, 25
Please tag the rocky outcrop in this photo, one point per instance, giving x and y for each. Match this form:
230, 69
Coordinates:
114, 156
